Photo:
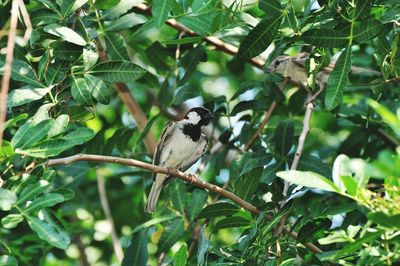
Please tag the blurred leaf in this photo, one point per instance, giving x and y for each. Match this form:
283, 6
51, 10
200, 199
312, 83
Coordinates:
117, 71
173, 232
90, 55
198, 199
106, 4
181, 256
327, 38
201, 24
190, 61
308, 179
32, 190
283, 137
98, 89
202, 247
7, 199
381, 218
22, 71
357, 245
136, 253
49, 233
43, 17
177, 190
314, 164
29, 134
366, 30
48, 200
350, 184
160, 10
218, 209
231, 222
125, 22
26, 95
6, 260
116, 47
65, 33
59, 126
184, 40
69, 6
387, 116
338, 80
185, 93
246, 184
81, 91
11, 221
313, 230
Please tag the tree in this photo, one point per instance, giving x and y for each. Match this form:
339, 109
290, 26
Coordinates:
304, 160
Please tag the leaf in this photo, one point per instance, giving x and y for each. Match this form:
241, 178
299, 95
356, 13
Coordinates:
22, 71
283, 137
308, 179
350, 184
55, 73
178, 195
203, 246
117, 71
366, 30
338, 80
184, 40
270, 7
246, 184
66, 51
198, 199
218, 209
354, 246
69, 6
6, 260
173, 232
7, 199
65, 33
327, 38
49, 233
32, 190
189, 62
43, 17
381, 218
313, 230
81, 92
48, 200
26, 95
121, 8
127, 21
59, 126
136, 253
116, 47
145, 131
269, 172
181, 256
185, 93
90, 55
158, 56
387, 116
106, 4
201, 24
98, 89
29, 134
314, 164
11, 221
231, 222
260, 37
160, 10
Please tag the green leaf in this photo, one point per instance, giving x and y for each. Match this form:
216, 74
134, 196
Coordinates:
269, 172
270, 7
160, 10
6, 150
66, 51
69, 6
357, 245
145, 131
59, 126
65, 33
32, 190
173, 232
127, 21
22, 71
158, 56
350, 184
327, 38
81, 91
260, 37
381, 218
338, 80
283, 137
387, 116
203, 246
177, 191
121, 8
7, 199
218, 209
185, 93
366, 29
106, 4
246, 184
201, 24
198, 199
49, 232
190, 61
115, 46
181, 256
184, 40
45, 201
308, 179
117, 71
43, 17
26, 95
55, 73
98, 89
136, 253
6, 260
11, 221
313, 230
29, 134
90, 55
314, 164
231, 222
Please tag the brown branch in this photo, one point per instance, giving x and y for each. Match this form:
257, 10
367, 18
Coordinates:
5, 82
107, 212
172, 172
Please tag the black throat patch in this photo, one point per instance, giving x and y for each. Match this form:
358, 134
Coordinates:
192, 131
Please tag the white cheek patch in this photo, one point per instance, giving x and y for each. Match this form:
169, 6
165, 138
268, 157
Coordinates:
193, 117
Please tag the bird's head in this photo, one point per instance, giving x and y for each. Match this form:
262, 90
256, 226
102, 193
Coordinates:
199, 116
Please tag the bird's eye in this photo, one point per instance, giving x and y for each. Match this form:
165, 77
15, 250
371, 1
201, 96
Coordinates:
276, 62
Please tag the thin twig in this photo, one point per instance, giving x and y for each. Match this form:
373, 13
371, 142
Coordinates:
107, 212
27, 21
5, 83
171, 172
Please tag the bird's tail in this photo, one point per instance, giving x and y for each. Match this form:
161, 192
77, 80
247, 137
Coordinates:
153, 196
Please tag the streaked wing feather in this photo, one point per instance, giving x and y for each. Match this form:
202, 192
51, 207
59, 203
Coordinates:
164, 135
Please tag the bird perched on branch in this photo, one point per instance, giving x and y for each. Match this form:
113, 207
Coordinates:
181, 144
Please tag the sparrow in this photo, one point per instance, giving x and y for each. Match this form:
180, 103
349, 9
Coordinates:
181, 144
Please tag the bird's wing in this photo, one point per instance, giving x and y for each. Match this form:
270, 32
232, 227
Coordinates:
160, 145
200, 150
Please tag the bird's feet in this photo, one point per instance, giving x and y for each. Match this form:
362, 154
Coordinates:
192, 177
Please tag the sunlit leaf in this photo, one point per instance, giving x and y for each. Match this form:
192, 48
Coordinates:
7, 199
65, 33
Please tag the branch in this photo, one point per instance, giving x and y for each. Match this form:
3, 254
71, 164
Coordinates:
107, 212
172, 172
5, 82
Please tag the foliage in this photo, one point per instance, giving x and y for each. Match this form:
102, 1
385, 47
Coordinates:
65, 98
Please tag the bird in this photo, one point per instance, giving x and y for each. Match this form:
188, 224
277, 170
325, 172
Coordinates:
180, 145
